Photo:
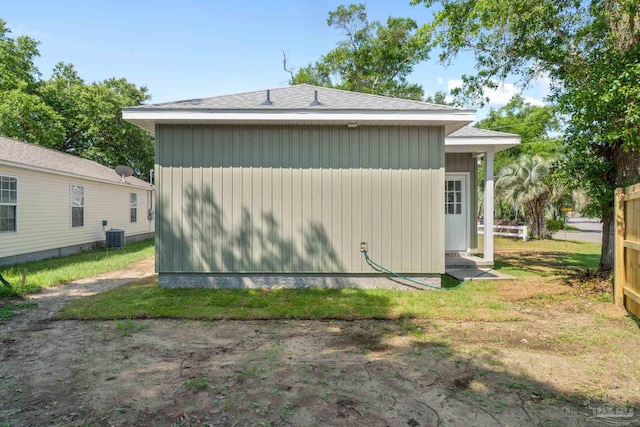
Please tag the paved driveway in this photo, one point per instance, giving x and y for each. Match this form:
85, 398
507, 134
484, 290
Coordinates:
590, 230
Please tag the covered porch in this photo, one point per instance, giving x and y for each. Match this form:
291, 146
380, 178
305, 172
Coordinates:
461, 201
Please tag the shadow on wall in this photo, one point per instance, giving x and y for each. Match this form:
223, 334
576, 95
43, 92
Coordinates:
199, 237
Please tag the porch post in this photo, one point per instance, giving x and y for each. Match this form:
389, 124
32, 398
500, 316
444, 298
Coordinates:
488, 205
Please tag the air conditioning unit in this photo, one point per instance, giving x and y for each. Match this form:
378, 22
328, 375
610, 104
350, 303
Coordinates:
115, 238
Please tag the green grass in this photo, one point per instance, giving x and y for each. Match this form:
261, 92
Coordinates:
545, 258
54, 271
145, 300
7, 311
196, 385
473, 301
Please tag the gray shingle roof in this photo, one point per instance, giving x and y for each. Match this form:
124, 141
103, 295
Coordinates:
33, 155
300, 97
471, 132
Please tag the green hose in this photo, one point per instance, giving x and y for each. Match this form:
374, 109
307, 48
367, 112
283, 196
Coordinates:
378, 267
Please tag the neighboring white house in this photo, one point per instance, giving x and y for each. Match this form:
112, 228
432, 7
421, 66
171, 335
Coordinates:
52, 203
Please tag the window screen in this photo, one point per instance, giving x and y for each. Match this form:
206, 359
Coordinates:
77, 206
8, 203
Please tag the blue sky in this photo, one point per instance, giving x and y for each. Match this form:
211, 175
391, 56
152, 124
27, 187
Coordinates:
195, 49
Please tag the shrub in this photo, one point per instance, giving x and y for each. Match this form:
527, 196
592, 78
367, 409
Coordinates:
554, 225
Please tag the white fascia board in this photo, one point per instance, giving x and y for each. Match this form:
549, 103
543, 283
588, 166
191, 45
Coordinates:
469, 145
361, 117
71, 175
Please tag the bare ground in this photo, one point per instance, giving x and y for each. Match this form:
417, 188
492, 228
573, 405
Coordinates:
564, 357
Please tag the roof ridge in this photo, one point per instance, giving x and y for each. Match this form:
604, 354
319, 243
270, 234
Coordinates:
219, 96
378, 96
300, 85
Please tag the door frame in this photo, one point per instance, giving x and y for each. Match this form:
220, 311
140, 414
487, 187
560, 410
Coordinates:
466, 198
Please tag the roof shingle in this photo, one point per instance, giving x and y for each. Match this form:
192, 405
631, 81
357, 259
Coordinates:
471, 132
300, 97
27, 154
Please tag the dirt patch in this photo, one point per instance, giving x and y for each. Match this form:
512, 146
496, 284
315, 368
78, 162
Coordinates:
532, 288
551, 368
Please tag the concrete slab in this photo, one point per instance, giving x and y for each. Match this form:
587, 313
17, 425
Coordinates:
475, 274
465, 261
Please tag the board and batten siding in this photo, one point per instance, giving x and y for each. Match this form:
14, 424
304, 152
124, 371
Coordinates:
44, 212
299, 199
465, 162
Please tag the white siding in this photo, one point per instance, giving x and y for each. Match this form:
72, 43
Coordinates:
44, 212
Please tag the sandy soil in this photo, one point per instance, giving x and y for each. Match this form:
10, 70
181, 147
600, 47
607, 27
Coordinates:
552, 368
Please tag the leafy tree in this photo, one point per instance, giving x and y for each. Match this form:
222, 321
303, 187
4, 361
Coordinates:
527, 183
92, 118
66, 113
441, 97
17, 67
535, 124
107, 138
63, 93
23, 115
589, 50
372, 58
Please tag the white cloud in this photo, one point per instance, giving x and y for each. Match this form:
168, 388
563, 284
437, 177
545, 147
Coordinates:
505, 91
543, 84
454, 84
440, 81
502, 94
534, 101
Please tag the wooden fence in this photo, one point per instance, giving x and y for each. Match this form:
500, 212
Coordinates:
626, 291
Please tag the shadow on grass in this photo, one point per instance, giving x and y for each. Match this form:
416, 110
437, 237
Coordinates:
547, 263
449, 376
144, 299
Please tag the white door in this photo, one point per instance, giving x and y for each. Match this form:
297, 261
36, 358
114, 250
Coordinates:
456, 212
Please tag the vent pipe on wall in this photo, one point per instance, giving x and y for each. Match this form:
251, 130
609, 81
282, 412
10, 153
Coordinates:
268, 100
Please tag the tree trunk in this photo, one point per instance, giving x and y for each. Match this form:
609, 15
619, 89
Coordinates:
536, 220
626, 171
608, 235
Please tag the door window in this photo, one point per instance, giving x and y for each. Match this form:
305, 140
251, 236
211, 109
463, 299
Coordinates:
453, 197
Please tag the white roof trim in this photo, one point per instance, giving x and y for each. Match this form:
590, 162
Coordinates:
145, 118
72, 175
479, 144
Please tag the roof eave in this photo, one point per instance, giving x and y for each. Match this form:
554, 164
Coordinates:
479, 145
451, 120
72, 175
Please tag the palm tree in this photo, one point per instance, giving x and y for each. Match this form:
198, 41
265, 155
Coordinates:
526, 183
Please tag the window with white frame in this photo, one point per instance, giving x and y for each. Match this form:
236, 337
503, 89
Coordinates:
133, 207
77, 205
8, 203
